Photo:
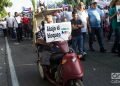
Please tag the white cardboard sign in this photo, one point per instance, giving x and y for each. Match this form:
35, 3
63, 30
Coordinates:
57, 31
118, 13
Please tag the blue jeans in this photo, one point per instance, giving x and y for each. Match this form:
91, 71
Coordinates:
116, 40
82, 42
76, 44
95, 31
12, 32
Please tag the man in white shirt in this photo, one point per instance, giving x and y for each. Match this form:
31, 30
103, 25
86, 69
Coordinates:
66, 14
18, 26
3, 27
10, 25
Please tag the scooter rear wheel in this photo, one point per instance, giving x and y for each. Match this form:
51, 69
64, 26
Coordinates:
75, 83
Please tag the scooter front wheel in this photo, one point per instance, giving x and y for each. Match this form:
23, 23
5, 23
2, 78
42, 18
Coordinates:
75, 83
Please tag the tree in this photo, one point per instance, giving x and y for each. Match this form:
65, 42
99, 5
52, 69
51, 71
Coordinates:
72, 2
33, 20
34, 4
3, 4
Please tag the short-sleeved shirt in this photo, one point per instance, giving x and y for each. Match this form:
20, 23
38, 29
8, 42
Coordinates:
94, 17
17, 20
77, 31
115, 24
25, 20
10, 22
67, 15
83, 15
3, 25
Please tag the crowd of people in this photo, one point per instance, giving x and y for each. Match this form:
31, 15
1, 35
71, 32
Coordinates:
99, 23
95, 21
17, 27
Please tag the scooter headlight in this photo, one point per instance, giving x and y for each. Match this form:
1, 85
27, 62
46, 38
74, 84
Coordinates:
74, 59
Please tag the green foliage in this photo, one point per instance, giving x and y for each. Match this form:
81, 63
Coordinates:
3, 13
33, 3
3, 4
71, 2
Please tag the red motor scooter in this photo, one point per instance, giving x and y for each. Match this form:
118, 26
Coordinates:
63, 69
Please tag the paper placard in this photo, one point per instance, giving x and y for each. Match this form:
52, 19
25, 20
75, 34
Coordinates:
57, 31
118, 13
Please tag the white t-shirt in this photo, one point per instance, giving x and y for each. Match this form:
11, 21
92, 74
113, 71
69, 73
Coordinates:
83, 15
58, 17
3, 23
17, 20
66, 14
69, 15
106, 11
54, 19
108, 21
10, 21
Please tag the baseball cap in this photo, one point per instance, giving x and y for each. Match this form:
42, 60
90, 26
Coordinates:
94, 2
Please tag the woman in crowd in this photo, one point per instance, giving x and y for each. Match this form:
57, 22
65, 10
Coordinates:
3, 27
115, 25
83, 16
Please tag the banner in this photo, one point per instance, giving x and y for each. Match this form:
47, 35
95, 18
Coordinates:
57, 31
118, 13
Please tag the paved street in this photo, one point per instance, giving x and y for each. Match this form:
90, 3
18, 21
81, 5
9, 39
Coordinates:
97, 67
57, 20
3, 68
24, 59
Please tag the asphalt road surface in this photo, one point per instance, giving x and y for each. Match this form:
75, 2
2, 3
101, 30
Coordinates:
98, 67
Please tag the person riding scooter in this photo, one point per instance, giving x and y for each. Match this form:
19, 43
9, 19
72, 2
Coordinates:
61, 63
58, 47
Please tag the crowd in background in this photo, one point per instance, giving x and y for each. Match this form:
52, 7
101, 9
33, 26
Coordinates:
17, 27
99, 23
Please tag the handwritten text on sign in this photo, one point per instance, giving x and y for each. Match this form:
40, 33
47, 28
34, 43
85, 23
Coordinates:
57, 31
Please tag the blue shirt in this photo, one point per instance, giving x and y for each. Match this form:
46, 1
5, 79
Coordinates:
94, 17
